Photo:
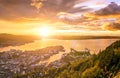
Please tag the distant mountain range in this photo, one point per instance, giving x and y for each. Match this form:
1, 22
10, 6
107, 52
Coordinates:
14, 40
84, 37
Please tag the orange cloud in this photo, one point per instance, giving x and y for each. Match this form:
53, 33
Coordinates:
111, 26
37, 4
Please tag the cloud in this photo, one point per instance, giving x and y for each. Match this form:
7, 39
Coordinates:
44, 9
108, 14
55, 6
13, 9
74, 18
36, 4
112, 8
111, 26
80, 9
111, 13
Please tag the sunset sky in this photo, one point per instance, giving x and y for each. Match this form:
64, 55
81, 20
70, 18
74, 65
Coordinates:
68, 17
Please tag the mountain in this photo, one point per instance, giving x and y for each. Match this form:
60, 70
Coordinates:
106, 64
14, 40
73, 37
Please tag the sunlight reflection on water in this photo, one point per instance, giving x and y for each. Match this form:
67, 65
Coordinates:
93, 44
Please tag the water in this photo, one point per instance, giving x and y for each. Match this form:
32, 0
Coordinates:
93, 44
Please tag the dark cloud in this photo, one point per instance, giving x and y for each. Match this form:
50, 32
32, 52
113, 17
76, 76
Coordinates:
80, 9
51, 8
112, 8
106, 14
72, 18
55, 5
111, 26
111, 11
13, 9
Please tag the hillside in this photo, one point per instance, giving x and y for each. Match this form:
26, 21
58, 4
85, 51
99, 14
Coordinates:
106, 64
15, 40
71, 37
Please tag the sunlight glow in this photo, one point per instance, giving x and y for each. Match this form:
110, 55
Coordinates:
45, 31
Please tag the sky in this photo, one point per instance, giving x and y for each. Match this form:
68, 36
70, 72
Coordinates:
68, 17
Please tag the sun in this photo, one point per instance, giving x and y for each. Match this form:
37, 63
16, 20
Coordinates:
44, 31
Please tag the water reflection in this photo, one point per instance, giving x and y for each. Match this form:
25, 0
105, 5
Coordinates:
93, 44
